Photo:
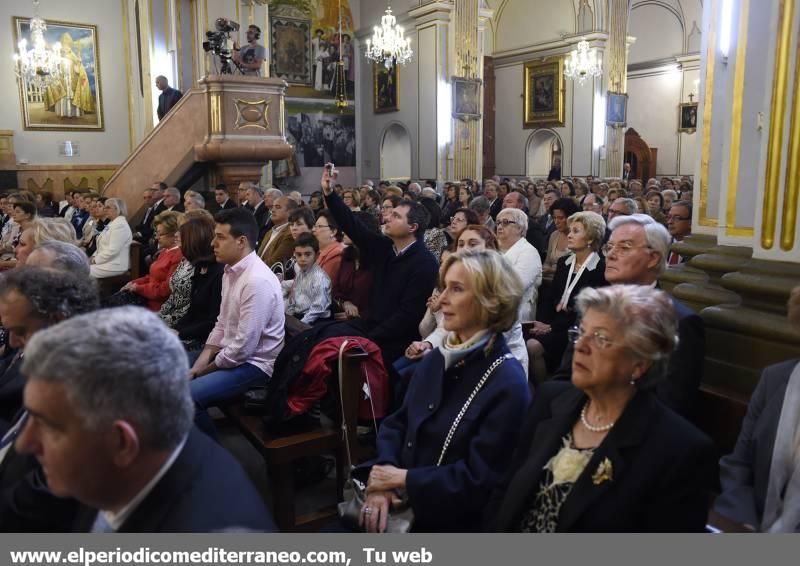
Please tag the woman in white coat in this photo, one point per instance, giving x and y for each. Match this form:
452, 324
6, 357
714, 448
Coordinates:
112, 257
512, 225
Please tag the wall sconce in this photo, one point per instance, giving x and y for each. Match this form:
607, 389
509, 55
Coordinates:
726, 24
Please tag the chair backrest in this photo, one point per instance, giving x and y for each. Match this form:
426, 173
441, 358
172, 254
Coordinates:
351, 358
135, 260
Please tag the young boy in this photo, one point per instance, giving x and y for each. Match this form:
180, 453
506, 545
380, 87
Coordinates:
308, 295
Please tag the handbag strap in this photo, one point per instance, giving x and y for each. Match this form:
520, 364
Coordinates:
468, 402
345, 438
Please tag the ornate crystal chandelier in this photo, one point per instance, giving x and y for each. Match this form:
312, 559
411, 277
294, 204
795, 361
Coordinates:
40, 65
583, 63
389, 44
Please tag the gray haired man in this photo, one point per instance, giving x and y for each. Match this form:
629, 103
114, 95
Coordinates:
111, 425
636, 254
61, 256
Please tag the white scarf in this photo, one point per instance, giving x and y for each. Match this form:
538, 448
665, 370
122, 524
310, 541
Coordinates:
782, 503
454, 351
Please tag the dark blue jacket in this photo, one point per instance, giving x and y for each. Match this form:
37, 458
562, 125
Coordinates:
168, 98
401, 284
78, 219
205, 490
452, 497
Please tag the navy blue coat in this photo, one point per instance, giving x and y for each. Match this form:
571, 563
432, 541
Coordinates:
452, 497
205, 490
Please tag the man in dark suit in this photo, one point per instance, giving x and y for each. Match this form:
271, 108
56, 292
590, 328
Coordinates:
627, 174
154, 201
255, 198
767, 439
172, 200
31, 299
168, 98
150, 470
223, 198
637, 254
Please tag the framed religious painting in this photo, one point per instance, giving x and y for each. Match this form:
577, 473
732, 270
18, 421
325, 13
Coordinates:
616, 109
292, 50
72, 99
688, 117
466, 98
544, 94
386, 91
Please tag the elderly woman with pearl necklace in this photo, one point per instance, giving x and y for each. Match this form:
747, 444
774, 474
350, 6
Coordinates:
602, 454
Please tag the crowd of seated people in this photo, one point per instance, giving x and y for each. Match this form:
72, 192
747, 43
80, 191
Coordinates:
591, 434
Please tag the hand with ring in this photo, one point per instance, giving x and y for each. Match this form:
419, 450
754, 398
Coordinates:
375, 512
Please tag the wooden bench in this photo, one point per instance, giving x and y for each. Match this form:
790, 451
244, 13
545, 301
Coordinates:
279, 452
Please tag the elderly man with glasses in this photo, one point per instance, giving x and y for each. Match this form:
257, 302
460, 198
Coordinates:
636, 254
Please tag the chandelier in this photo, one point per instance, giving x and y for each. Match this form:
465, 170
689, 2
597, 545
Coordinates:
40, 65
583, 63
389, 44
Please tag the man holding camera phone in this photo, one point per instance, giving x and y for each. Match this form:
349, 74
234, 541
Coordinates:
250, 57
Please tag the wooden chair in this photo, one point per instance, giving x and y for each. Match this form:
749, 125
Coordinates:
107, 286
279, 452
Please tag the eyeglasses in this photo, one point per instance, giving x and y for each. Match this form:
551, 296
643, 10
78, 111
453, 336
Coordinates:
460, 220
622, 249
505, 222
611, 211
678, 218
387, 207
321, 226
598, 339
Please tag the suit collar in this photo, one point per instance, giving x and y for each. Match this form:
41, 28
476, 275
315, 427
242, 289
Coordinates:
153, 509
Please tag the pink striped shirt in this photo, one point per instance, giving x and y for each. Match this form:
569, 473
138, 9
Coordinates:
250, 325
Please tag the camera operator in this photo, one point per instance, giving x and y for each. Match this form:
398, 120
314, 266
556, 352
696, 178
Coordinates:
251, 56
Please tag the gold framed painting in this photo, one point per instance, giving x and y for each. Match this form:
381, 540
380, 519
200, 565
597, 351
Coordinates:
545, 94
73, 100
386, 89
688, 117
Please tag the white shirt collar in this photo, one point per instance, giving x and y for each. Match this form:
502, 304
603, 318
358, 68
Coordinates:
591, 261
404, 250
116, 520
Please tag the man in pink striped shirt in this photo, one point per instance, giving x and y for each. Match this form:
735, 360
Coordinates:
241, 350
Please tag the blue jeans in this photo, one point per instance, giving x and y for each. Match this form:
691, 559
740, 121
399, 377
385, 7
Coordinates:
225, 384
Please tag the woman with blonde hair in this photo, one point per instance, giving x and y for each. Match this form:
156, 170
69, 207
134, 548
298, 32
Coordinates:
442, 465
583, 267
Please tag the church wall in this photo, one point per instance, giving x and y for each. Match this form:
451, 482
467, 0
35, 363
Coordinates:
663, 70
108, 147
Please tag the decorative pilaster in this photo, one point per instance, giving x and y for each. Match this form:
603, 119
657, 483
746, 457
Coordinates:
467, 142
616, 71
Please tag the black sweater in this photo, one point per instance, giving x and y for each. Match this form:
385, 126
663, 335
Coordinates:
401, 284
203, 311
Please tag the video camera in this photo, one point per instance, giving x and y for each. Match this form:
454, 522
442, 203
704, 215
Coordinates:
219, 42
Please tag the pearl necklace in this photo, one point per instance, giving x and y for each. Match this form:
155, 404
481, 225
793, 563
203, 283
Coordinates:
593, 428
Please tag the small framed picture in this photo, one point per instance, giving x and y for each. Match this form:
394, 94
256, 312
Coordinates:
466, 98
616, 109
688, 117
